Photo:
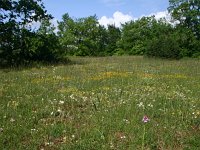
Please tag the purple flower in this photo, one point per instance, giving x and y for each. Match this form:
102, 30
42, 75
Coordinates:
145, 119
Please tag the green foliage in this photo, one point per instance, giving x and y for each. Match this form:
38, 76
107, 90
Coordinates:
164, 46
187, 13
136, 35
46, 44
86, 37
19, 44
187, 41
114, 35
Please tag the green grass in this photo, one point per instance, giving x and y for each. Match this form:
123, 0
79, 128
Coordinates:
99, 103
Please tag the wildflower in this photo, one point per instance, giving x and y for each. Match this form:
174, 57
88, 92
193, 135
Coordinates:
61, 102
64, 131
140, 104
33, 129
85, 98
126, 121
12, 120
64, 139
123, 137
111, 145
145, 119
150, 105
72, 96
120, 136
47, 143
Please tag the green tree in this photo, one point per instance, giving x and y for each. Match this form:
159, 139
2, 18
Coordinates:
164, 46
187, 12
66, 33
45, 44
87, 34
102, 40
114, 35
82, 36
136, 34
15, 33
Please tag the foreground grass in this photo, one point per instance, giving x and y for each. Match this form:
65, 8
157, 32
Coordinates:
99, 103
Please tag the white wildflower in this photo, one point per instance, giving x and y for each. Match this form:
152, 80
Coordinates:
12, 120
150, 105
59, 110
141, 104
123, 137
61, 102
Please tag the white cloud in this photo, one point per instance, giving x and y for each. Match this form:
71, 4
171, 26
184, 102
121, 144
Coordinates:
166, 15
162, 14
117, 19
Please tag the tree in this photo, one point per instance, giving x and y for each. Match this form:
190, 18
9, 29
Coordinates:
87, 34
114, 35
66, 34
15, 33
136, 34
187, 12
82, 36
102, 40
164, 46
45, 45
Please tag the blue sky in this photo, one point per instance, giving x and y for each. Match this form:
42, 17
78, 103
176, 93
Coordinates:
107, 11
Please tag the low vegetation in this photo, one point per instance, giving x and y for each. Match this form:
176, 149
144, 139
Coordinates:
99, 103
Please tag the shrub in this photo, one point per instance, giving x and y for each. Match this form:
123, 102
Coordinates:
164, 46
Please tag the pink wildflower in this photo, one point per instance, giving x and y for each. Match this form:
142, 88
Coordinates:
145, 119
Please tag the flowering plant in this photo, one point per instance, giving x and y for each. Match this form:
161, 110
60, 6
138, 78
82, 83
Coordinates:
145, 119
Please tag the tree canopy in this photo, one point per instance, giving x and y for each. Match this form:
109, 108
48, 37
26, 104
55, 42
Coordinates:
15, 29
187, 12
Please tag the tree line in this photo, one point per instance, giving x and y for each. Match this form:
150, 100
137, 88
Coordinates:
21, 44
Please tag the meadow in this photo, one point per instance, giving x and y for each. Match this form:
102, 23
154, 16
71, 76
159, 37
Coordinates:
99, 104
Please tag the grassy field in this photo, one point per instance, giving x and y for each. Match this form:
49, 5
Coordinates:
99, 104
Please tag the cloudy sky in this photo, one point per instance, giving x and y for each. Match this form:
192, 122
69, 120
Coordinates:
107, 11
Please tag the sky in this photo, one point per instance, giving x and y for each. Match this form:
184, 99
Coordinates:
107, 11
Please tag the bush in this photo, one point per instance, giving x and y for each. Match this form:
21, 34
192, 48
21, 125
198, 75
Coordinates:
45, 48
164, 46
32, 47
